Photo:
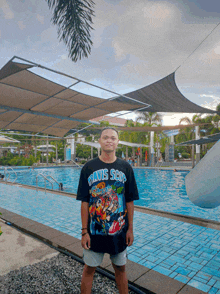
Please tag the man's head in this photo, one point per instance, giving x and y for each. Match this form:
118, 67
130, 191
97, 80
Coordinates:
109, 139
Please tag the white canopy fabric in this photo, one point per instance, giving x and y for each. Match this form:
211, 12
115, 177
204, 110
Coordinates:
92, 144
4, 139
45, 146
97, 145
132, 144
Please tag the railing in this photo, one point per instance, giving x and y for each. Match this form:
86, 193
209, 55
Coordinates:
9, 174
59, 184
75, 163
46, 179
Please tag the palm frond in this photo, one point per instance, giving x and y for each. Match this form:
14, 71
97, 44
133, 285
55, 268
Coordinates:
74, 20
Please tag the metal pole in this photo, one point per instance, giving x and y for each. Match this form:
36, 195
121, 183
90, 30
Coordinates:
47, 149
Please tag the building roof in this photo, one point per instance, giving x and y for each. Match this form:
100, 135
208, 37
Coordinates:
116, 121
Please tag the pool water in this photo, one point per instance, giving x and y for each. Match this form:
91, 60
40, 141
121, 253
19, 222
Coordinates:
158, 189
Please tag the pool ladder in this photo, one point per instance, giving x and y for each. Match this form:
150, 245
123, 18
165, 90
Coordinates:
8, 174
50, 181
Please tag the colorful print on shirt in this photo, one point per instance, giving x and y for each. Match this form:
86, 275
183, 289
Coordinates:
107, 206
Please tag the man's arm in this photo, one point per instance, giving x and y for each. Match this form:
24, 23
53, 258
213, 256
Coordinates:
85, 241
130, 235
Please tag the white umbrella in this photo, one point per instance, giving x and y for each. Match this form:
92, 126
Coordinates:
4, 139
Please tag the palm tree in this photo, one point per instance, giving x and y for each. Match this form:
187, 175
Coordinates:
74, 19
149, 117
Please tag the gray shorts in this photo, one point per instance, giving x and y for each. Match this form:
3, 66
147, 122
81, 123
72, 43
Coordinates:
94, 259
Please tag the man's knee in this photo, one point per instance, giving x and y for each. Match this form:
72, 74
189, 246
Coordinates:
89, 269
119, 268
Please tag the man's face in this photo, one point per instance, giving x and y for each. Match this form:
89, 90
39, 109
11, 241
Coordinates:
109, 140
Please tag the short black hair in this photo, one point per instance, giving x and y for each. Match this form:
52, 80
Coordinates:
108, 128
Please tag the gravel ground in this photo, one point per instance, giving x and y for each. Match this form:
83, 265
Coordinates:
60, 274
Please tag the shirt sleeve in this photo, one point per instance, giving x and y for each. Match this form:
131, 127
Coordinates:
83, 187
131, 191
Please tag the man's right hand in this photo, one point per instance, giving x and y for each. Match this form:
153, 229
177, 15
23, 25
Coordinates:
85, 241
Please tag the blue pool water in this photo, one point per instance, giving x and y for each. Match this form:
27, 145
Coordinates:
158, 189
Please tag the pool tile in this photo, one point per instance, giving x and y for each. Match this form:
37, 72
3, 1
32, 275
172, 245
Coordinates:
182, 271
213, 290
199, 285
182, 279
217, 285
162, 270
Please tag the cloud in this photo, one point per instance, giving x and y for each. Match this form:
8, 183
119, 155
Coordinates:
8, 14
21, 25
40, 18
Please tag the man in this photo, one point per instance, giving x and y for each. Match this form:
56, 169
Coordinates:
107, 189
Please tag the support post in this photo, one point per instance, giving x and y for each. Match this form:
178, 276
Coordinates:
35, 150
141, 156
197, 146
91, 152
193, 160
56, 152
152, 148
47, 150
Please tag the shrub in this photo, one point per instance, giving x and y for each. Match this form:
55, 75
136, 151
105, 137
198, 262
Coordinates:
185, 155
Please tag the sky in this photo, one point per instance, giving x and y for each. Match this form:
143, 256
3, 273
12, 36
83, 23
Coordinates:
135, 43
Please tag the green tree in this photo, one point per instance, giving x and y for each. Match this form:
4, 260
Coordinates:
74, 20
149, 117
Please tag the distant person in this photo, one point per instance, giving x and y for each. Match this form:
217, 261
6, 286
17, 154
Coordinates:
107, 189
129, 161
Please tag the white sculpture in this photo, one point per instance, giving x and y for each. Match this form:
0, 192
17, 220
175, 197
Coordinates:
203, 182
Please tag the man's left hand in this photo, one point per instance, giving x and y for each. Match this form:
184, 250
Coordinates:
129, 237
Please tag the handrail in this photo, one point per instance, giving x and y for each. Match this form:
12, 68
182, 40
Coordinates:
45, 179
59, 184
75, 163
5, 172
53, 179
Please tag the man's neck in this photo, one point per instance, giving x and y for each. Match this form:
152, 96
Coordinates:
107, 157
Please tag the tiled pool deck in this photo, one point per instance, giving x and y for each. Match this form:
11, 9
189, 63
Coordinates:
168, 256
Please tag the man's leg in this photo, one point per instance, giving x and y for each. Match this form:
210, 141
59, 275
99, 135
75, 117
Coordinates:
87, 279
121, 278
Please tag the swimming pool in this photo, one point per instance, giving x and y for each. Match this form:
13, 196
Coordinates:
158, 189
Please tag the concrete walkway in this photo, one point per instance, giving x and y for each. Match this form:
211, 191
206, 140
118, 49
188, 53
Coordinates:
18, 249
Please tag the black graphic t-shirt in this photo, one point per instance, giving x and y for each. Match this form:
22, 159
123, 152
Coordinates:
107, 187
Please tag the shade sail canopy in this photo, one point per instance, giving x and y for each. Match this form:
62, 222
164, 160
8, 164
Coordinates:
164, 96
29, 102
203, 140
